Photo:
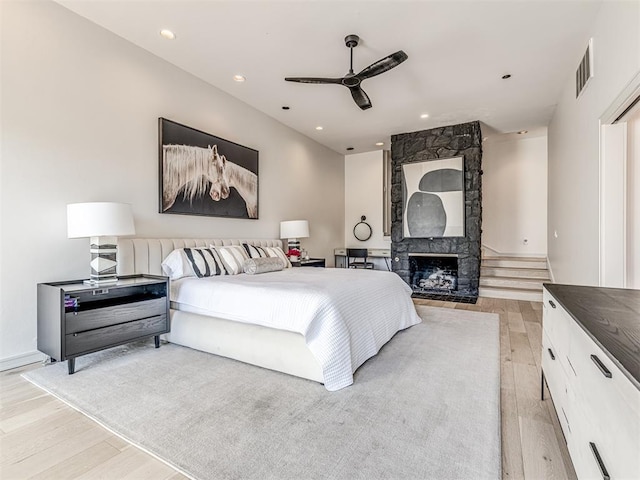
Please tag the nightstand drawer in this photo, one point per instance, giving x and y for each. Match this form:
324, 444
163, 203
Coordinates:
103, 317
77, 343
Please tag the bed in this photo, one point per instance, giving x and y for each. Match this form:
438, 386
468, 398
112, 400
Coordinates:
315, 323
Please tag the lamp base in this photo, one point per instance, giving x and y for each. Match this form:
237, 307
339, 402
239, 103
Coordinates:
103, 260
293, 244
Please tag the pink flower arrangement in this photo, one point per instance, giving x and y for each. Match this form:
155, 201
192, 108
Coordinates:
293, 252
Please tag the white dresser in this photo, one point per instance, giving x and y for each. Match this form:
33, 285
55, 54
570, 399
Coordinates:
591, 363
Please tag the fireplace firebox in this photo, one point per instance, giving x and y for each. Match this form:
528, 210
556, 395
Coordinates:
433, 273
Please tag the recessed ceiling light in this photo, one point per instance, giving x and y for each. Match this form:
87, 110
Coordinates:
424, 115
522, 132
284, 107
508, 75
379, 144
238, 78
319, 127
168, 34
349, 148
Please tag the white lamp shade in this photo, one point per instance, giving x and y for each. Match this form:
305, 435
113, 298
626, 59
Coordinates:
294, 229
99, 219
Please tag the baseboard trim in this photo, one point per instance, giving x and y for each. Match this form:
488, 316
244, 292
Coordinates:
550, 270
21, 360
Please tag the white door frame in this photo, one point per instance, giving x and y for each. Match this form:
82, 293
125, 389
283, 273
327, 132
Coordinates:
613, 188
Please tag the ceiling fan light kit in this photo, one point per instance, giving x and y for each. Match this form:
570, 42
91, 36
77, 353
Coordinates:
352, 81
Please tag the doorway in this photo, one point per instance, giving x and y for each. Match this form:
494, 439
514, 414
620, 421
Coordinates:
619, 195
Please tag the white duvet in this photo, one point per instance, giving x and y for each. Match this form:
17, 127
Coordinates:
345, 315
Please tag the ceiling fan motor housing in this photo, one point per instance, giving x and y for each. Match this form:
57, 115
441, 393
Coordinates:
351, 40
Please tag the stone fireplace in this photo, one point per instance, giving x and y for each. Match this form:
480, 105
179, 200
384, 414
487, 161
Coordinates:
464, 140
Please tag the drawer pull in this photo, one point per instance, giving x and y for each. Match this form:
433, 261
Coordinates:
553, 357
553, 305
566, 419
605, 371
603, 469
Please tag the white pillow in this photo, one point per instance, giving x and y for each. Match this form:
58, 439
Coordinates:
233, 257
176, 265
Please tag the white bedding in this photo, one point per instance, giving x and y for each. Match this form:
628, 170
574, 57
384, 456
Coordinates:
345, 315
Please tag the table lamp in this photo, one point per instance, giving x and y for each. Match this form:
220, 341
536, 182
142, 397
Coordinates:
293, 230
102, 222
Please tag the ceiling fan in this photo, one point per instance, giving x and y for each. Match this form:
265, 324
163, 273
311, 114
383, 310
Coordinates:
352, 81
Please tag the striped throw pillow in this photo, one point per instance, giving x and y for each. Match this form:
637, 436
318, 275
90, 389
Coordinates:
255, 252
266, 252
233, 257
276, 252
205, 262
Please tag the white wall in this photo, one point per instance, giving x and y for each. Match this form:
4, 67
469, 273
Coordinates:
573, 207
514, 194
364, 196
79, 123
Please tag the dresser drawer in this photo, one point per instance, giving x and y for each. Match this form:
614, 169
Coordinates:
88, 341
113, 315
559, 386
608, 406
553, 371
556, 324
585, 462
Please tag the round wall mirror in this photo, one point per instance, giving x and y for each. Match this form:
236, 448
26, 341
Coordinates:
362, 230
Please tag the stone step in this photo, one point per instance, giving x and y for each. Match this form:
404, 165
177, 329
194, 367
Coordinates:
511, 293
534, 284
541, 273
515, 262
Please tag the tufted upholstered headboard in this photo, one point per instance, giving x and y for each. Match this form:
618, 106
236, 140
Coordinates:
144, 255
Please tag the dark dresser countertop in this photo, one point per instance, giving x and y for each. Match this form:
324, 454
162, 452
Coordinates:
611, 317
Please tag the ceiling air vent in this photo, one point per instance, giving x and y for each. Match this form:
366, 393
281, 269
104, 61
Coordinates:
585, 69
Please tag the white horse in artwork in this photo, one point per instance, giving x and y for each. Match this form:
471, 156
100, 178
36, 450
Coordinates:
229, 174
192, 169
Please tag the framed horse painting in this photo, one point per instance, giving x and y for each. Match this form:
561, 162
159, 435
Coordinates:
201, 174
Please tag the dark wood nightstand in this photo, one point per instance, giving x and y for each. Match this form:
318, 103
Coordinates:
75, 319
311, 262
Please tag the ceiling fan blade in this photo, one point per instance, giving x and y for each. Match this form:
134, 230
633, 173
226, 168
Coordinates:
383, 65
313, 80
360, 97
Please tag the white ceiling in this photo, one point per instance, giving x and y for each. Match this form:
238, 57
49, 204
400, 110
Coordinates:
458, 52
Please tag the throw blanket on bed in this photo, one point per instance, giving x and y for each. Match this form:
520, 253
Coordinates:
345, 315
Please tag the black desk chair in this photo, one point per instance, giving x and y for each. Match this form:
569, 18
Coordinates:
357, 253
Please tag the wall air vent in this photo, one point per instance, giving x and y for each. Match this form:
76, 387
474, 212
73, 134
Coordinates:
585, 69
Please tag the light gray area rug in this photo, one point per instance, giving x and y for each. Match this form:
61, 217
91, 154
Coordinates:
427, 406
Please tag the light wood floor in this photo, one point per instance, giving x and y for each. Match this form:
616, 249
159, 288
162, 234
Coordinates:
41, 437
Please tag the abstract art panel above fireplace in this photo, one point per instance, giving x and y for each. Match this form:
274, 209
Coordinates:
433, 198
